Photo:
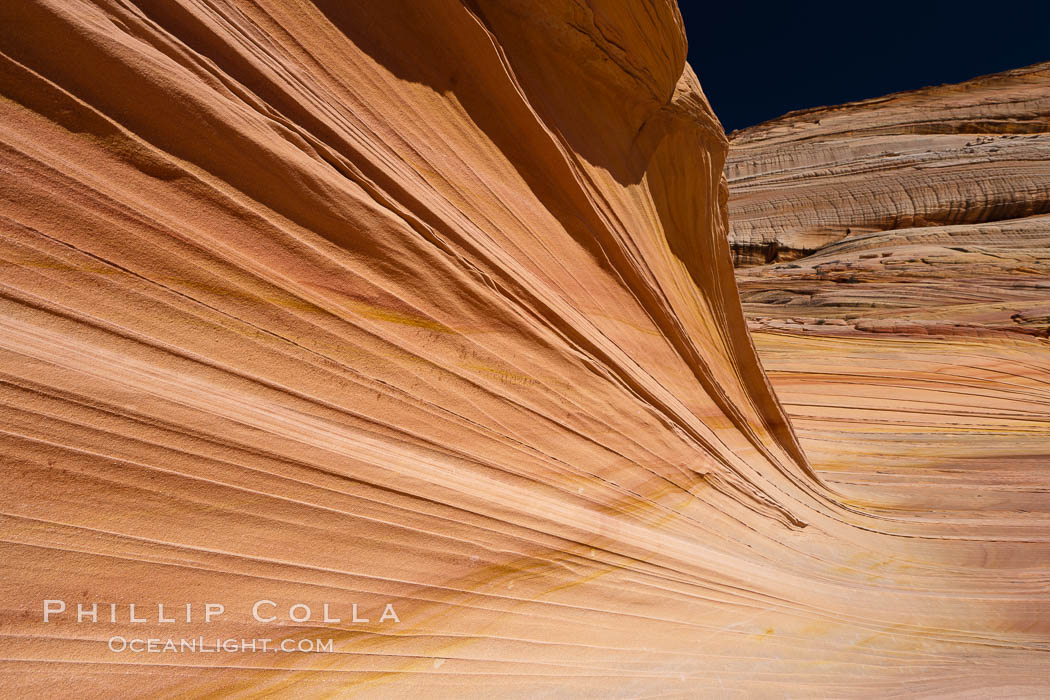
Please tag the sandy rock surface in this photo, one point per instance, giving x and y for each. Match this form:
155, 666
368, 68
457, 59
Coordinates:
430, 304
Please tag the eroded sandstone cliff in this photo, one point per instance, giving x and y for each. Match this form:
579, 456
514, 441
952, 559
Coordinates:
970, 153
425, 303
922, 212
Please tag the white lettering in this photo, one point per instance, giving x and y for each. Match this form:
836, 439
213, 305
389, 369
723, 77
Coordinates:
330, 619
389, 614
49, 608
291, 612
82, 612
213, 609
259, 604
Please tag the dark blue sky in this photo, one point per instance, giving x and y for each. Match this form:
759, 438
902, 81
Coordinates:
757, 60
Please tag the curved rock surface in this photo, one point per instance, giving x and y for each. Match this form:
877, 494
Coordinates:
944, 430
429, 304
968, 153
904, 319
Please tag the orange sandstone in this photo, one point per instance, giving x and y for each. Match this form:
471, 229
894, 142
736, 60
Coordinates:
427, 304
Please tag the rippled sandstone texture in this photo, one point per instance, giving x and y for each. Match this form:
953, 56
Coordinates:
923, 212
971, 279
905, 325
430, 303
968, 153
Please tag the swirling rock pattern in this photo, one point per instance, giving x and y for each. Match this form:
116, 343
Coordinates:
969, 153
427, 303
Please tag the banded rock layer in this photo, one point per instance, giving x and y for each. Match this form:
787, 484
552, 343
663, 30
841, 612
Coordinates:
425, 303
976, 280
923, 212
896, 277
969, 153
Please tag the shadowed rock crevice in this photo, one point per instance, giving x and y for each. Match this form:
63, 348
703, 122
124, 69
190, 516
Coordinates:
748, 254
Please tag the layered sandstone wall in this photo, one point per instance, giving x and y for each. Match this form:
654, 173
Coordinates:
424, 303
969, 153
893, 262
923, 212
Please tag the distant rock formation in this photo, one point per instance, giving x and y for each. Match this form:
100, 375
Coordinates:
970, 153
970, 279
427, 304
922, 212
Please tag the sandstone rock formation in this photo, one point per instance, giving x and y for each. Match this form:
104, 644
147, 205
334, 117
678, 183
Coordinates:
923, 212
428, 303
970, 279
894, 262
970, 153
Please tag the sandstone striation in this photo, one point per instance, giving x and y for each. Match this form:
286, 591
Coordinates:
975, 279
969, 153
893, 258
923, 212
429, 304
